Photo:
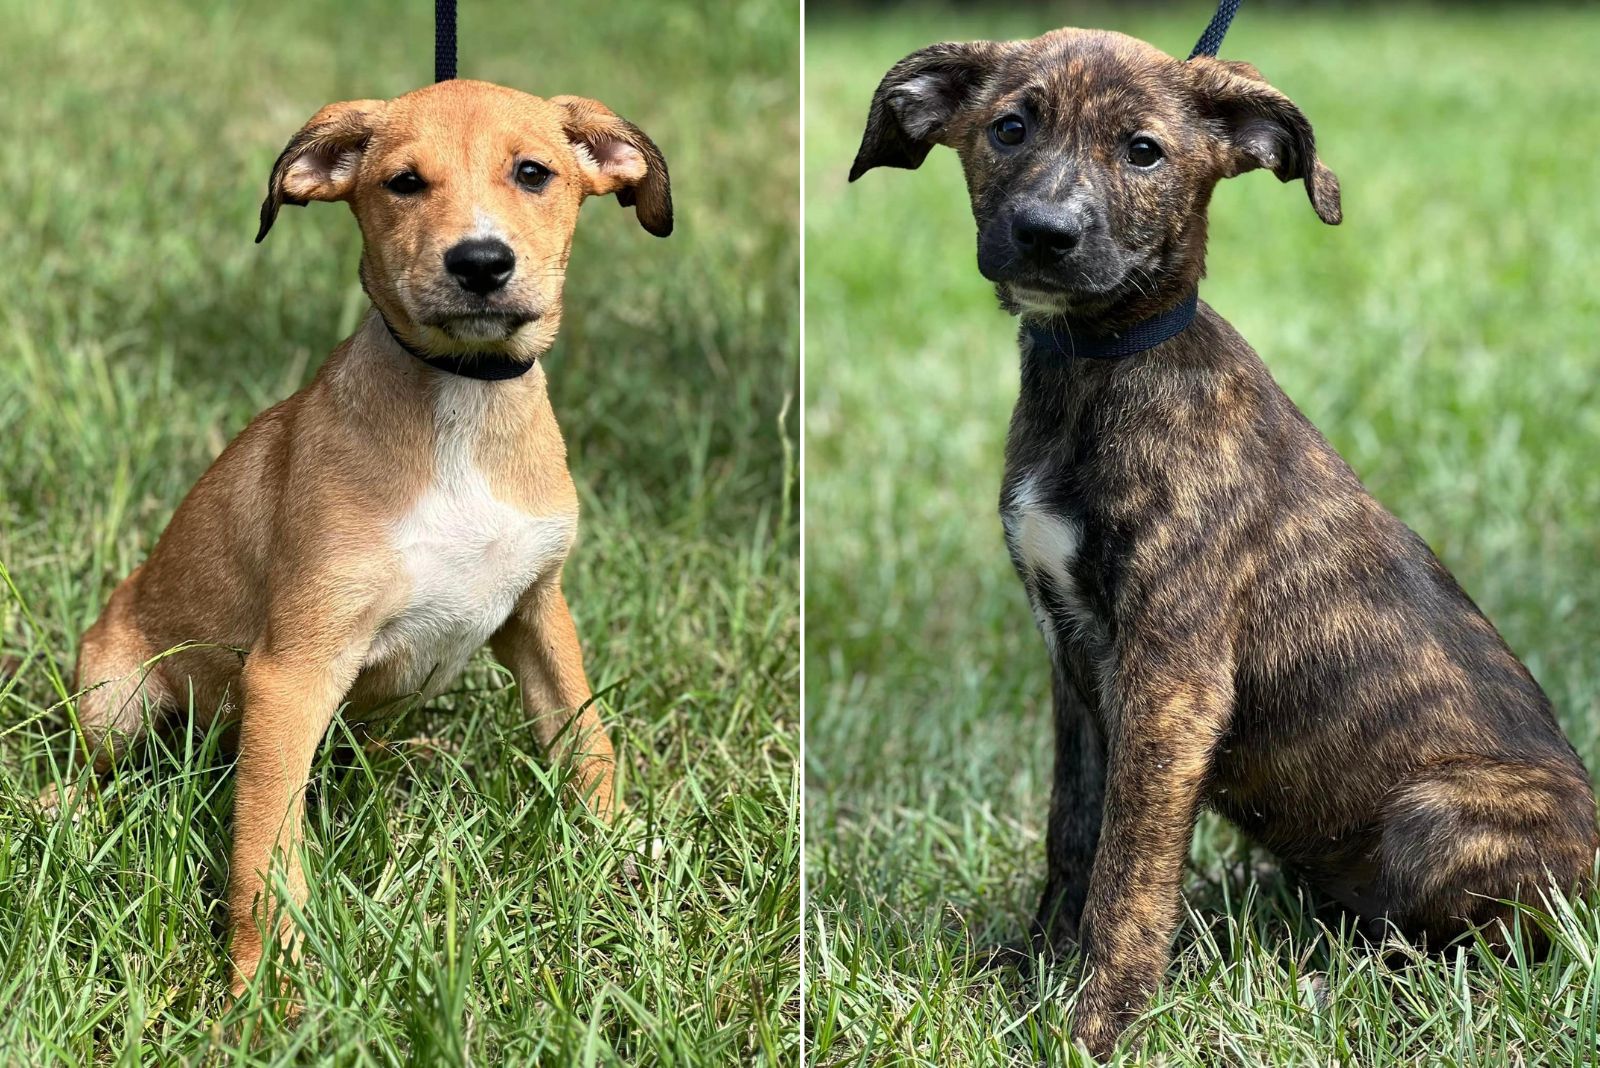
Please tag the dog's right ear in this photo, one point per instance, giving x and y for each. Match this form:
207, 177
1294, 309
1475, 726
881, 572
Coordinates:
916, 101
320, 161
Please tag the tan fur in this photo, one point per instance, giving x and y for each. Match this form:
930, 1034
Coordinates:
283, 564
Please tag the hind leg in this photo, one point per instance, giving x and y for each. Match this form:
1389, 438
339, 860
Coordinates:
1462, 835
118, 694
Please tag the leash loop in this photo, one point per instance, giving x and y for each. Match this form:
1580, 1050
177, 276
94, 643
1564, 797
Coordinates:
1211, 40
444, 40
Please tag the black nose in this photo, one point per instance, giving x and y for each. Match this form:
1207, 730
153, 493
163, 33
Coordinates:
481, 265
1046, 231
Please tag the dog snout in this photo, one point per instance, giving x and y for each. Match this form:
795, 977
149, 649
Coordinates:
1047, 232
481, 265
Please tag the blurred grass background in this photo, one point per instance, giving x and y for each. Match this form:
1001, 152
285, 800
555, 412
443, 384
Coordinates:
461, 913
1446, 338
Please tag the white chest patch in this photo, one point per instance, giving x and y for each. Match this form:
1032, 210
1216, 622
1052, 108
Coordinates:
469, 555
1045, 544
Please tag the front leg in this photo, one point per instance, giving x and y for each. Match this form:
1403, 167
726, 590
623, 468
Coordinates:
1170, 707
539, 644
289, 701
1075, 806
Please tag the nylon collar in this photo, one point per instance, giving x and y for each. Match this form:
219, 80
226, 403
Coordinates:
1059, 339
484, 366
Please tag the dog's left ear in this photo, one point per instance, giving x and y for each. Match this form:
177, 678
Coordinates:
320, 161
617, 157
1262, 128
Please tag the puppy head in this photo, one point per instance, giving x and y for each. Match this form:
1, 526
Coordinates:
1090, 158
467, 194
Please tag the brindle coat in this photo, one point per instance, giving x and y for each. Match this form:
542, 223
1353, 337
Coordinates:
1233, 620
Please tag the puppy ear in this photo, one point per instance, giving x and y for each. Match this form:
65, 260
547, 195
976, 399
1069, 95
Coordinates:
916, 101
1262, 128
320, 161
617, 157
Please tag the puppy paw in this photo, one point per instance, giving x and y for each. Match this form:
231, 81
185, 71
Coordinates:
423, 746
647, 852
1021, 956
1102, 1016
55, 802
1096, 1033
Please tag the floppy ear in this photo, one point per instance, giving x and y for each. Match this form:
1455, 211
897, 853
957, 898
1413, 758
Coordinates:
916, 101
617, 157
320, 161
1263, 128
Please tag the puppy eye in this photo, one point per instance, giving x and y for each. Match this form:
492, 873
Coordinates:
1144, 152
532, 176
1009, 131
406, 183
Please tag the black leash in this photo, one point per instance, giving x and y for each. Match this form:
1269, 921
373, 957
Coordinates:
444, 40
1056, 337
1211, 40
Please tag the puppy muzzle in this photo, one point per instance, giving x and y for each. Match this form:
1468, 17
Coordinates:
1050, 247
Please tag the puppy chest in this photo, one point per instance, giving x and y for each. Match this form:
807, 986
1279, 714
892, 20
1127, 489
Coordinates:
1046, 541
468, 557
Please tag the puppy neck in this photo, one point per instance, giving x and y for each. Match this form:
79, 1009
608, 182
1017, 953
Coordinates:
373, 362
483, 366
1067, 338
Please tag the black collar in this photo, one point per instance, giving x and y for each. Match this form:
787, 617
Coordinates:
484, 366
1057, 337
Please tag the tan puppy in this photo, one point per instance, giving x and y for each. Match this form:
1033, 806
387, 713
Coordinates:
360, 540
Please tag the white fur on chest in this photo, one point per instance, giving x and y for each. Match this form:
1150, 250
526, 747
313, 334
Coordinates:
468, 555
1045, 544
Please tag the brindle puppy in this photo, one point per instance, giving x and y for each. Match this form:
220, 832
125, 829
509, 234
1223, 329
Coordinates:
1232, 620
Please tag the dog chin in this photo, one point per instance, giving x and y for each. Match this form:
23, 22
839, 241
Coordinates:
1032, 301
1040, 300
1039, 297
481, 329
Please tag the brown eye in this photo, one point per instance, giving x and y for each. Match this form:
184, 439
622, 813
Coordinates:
1009, 131
532, 176
406, 183
1144, 152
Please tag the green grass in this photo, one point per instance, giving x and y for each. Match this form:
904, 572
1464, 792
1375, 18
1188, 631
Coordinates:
461, 912
1444, 338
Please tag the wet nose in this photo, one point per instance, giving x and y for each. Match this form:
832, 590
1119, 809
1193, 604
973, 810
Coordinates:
1047, 231
481, 265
